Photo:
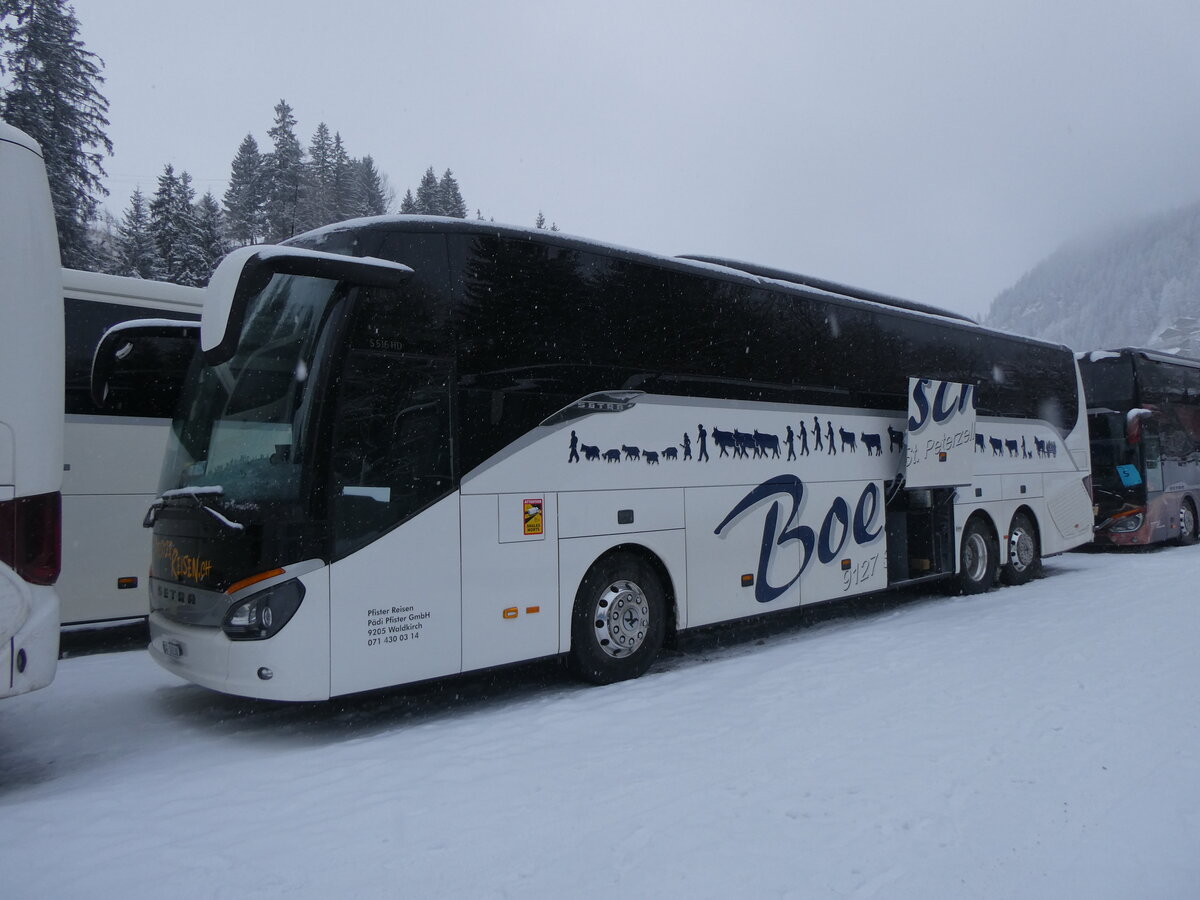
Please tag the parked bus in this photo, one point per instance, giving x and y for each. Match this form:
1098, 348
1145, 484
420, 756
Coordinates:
31, 418
113, 450
417, 446
1144, 419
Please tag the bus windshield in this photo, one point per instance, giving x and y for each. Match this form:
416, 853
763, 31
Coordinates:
243, 425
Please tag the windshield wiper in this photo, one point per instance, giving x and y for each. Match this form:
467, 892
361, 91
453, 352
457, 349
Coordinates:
196, 495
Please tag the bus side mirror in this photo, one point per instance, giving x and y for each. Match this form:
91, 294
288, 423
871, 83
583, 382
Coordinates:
1133, 425
139, 366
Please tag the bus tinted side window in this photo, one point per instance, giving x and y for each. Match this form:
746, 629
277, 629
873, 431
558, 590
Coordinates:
86, 322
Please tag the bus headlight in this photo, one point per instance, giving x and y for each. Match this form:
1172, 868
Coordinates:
1127, 523
262, 615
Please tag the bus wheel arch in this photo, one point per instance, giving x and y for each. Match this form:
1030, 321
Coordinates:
978, 556
1024, 557
623, 612
1187, 521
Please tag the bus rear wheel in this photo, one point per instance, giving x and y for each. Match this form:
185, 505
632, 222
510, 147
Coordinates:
1187, 522
977, 559
1024, 553
619, 620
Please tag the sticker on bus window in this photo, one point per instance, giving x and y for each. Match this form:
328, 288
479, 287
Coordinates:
533, 516
1129, 475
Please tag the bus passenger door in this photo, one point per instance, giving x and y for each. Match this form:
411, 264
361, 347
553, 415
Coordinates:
394, 611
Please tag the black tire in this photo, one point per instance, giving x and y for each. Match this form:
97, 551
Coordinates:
1187, 522
1024, 552
619, 620
977, 558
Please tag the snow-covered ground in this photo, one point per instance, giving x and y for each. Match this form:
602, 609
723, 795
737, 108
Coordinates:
1041, 741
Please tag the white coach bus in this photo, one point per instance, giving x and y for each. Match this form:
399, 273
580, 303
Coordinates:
113, 449
415, 447
31, 417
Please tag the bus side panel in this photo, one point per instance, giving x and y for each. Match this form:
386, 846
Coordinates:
111, 477
396, 610
510, 604
726, 547
850, 549
1069, 523
103, 540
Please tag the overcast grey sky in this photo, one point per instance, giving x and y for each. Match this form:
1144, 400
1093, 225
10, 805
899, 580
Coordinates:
933, 149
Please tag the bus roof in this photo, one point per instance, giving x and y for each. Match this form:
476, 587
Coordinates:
1143, 352
121, 289
726, 270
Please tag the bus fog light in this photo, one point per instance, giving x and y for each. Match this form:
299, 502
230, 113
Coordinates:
262, 615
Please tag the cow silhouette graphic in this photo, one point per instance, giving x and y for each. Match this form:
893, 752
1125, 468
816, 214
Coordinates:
849, 439
744, 444
724, 441
1051, 448
872, 443
997, 446
1011, 446
1040, 446
978, 442
650, 456
670, 453
590, 452
764, 443
612, 456
631, 452
895, 439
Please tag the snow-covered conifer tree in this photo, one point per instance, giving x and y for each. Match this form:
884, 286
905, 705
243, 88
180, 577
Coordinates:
317, 205
135, 254
53, 96
245, 199
210, 232
371, 194
284, 169
429, 196
450, 198
342, 184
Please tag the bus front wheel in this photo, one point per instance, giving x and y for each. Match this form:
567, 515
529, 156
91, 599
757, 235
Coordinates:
619, 620
977, 559
1024, 554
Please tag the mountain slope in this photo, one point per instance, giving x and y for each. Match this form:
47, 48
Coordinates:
1139, 285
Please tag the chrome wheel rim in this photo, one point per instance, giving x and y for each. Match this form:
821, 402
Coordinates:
975, 558
621, 618
1020, 549
1187, 521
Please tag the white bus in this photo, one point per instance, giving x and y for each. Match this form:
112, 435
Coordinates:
417, 447
31, 416
113, 450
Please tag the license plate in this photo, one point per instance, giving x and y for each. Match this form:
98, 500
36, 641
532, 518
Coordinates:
173, 649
